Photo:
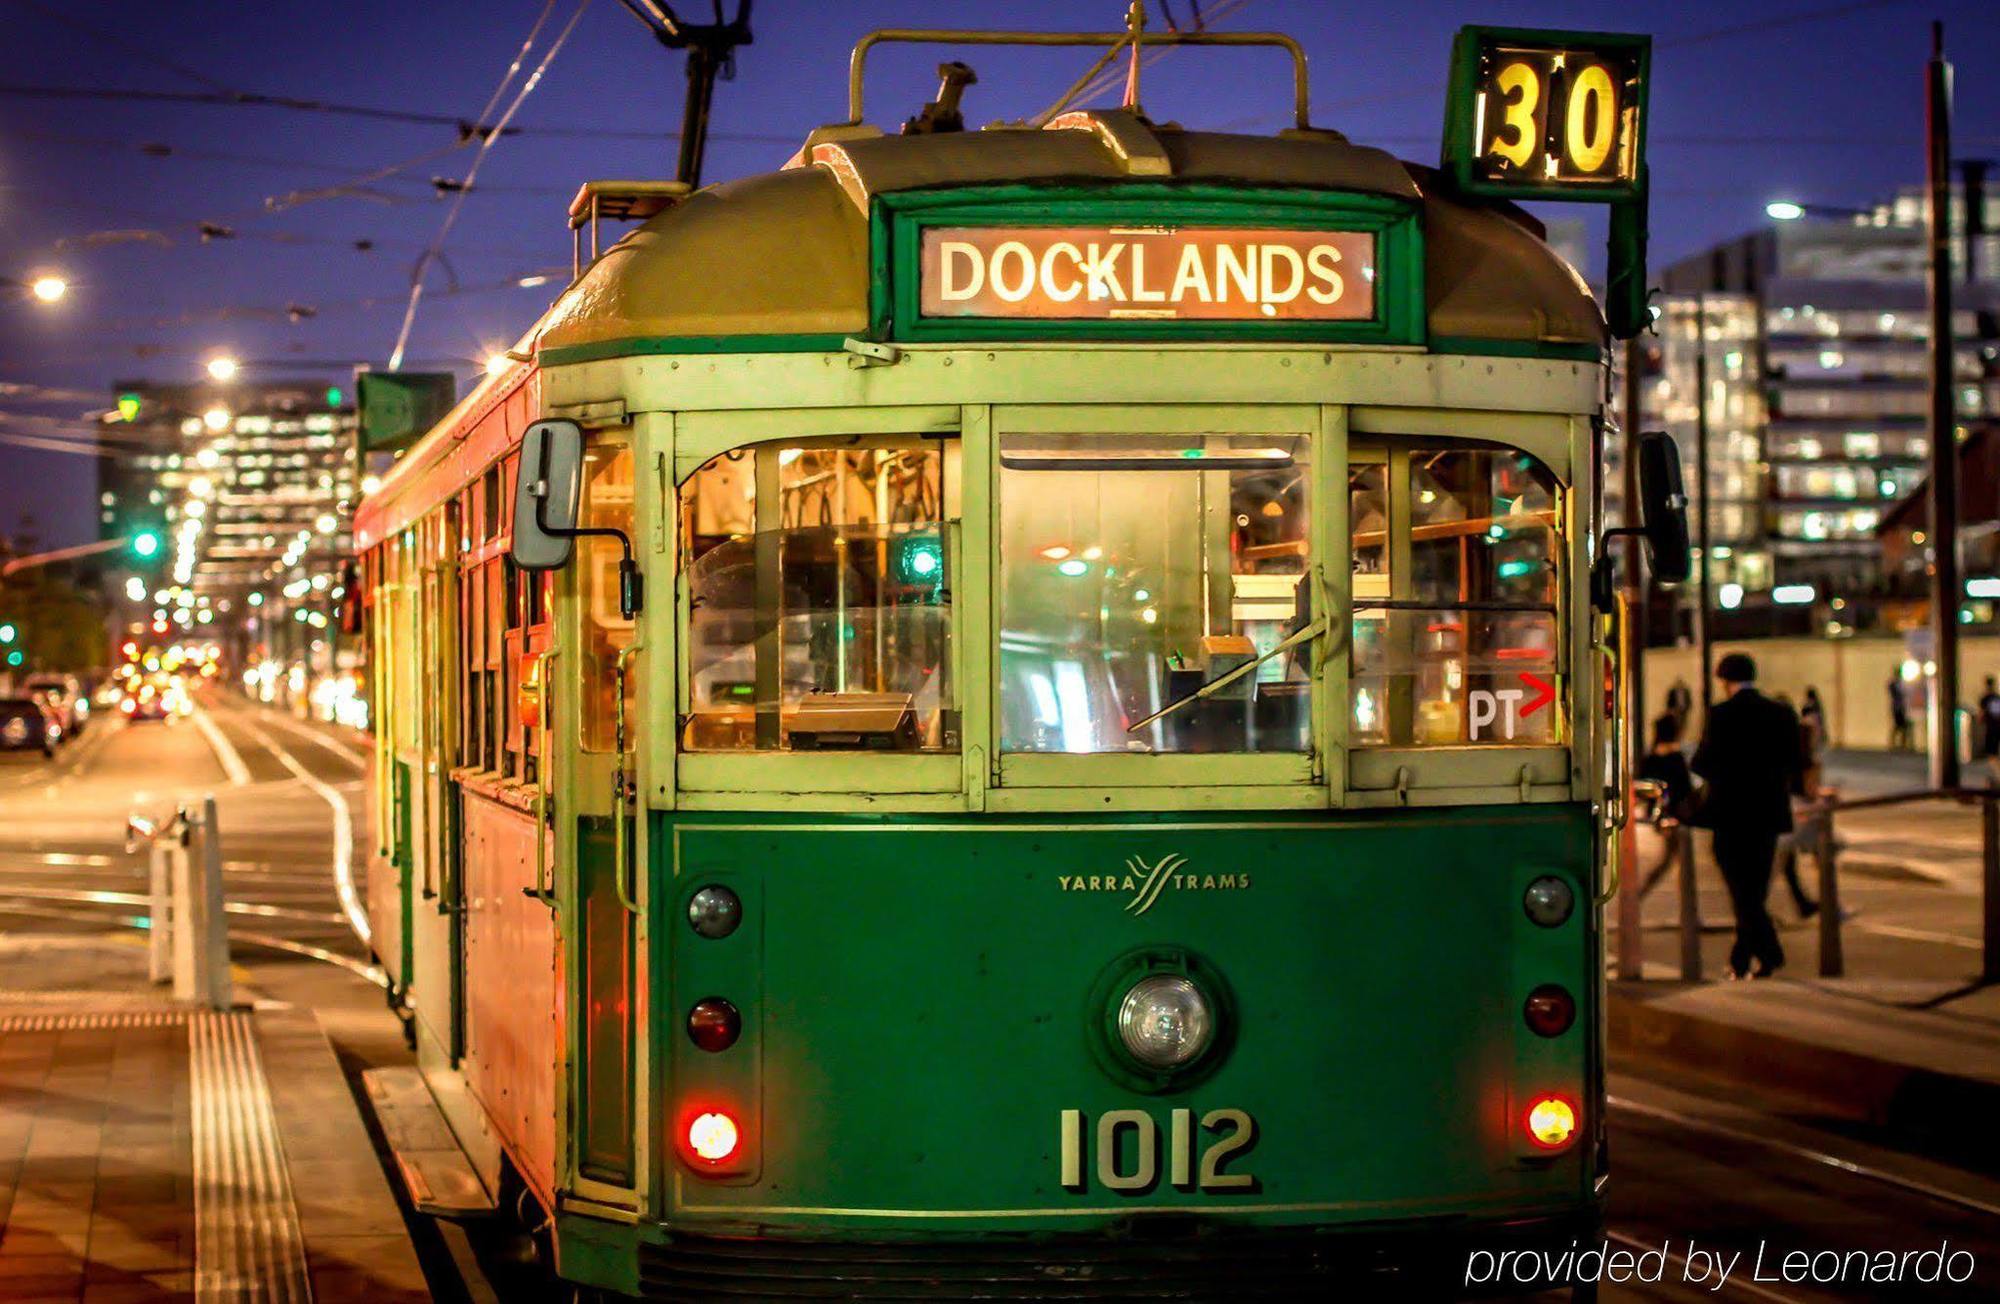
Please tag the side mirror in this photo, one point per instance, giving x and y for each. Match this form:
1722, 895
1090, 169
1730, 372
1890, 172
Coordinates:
1663, 507
547, 493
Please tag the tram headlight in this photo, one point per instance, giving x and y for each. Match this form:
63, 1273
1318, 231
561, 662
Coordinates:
1551, 1122
715, 911
1549, 900
1166, 1021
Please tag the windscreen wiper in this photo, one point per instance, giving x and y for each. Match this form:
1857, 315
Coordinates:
1228, 677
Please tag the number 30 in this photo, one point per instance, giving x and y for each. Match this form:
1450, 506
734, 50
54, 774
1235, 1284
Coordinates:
1590, 117
1240, 1132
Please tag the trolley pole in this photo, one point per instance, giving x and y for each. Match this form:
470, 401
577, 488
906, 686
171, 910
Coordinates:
1945, 583
1631, 933
1704, 639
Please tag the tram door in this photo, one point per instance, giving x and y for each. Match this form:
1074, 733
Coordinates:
598, 830
434, 918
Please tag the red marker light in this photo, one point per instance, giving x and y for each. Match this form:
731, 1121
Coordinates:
712, 1137
1551, 1122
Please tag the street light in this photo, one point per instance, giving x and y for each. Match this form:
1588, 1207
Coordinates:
48, 289
497, 363
223, 368
1791, 210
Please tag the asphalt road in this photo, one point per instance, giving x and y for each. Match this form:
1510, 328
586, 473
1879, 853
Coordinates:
1698, 1170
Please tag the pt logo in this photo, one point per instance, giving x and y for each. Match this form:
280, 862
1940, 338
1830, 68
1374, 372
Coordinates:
1485, 708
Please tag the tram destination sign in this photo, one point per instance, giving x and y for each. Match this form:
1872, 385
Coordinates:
1147, 273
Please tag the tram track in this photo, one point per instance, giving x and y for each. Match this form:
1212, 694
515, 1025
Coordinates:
1838, 1163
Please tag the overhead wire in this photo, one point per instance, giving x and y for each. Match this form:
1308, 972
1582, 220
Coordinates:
436, 248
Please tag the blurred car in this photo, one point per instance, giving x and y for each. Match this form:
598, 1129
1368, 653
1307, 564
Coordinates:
26, 725
145, 701
65, 699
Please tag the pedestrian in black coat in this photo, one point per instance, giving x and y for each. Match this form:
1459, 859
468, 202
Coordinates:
1752, 757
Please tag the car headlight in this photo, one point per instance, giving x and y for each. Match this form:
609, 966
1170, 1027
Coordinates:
1166, 1021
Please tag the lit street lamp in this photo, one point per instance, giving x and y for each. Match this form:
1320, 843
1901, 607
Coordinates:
48, 289
1791, 210
223, 368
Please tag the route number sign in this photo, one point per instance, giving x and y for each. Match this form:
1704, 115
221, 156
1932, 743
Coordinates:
1554, 115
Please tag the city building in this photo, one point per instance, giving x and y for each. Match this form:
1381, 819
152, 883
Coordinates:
249, 487
1811, 338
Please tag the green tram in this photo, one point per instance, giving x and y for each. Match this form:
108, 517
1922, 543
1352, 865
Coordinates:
1016, 714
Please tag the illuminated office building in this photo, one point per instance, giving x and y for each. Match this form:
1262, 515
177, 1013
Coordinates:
1814, 335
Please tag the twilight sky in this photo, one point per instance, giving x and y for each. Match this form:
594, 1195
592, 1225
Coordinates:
1751, 99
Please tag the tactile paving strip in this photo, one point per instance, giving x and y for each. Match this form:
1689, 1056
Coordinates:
248, 1245
92, 1020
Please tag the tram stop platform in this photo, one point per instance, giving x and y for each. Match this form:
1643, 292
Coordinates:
1907, 1040
153, 1152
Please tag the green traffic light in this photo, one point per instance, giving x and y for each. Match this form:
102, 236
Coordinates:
15, 658
334, 397
145, 543
128, 407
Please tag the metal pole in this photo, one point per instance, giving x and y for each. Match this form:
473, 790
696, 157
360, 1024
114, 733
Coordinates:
1631, 934
1832, 960
1945, 590
1989, 845
1631, 924
1703, 638
1690, 906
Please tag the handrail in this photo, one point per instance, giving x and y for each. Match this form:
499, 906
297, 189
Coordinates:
545, 895
948, 36
620, 794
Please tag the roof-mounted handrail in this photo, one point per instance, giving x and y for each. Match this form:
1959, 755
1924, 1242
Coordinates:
941, 36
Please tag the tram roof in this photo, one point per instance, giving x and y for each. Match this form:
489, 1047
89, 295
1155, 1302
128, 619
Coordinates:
787, 253
750, 263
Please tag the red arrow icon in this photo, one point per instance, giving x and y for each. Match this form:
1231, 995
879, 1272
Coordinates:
1545, 693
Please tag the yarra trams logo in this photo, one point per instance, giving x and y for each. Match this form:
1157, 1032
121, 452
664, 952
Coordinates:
1145, 884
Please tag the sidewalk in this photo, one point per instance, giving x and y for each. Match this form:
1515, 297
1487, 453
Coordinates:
149, 1152
1908, 1040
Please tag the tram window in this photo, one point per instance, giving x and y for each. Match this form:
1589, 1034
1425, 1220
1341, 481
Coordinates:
1457, 553
1136, 569
820, 616
607, 504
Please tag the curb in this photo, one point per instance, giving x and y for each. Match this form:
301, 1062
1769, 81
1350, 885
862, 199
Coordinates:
1906, 1100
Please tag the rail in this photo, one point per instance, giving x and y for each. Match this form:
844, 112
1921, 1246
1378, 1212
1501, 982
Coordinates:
1301, 96
188, 938
1825, 848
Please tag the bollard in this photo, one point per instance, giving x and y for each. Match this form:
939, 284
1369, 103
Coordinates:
214, 921
1832, 963
1690, 909
160, 930
182, 918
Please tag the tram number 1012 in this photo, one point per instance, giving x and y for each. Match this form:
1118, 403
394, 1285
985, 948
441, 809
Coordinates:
1128, 1145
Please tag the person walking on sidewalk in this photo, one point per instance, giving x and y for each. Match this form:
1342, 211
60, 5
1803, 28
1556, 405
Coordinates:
1899, 715
1752, 758
1989, 730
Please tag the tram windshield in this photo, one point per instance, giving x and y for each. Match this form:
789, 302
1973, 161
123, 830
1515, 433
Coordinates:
1457, 555
1136, 569
820, 614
